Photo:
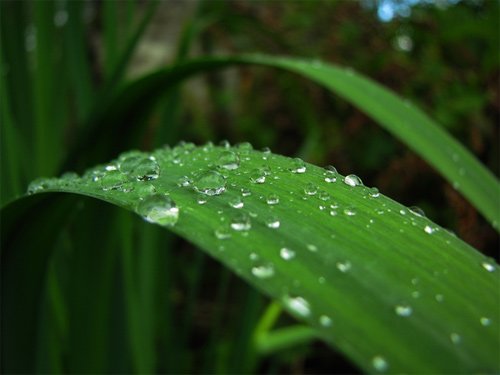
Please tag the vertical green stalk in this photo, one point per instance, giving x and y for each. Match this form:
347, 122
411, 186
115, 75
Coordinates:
110, 26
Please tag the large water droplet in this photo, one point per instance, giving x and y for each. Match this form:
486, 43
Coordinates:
373, 192
263, 271
112, 179
298, 166
403, 310
159, 209
210, 183
139, 166
241, 222
352, 180
229, 160
287, 254
379, 363
417, 211
330, 174
298, 305
258, 176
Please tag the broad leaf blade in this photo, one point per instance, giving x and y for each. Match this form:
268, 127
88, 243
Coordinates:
389, 288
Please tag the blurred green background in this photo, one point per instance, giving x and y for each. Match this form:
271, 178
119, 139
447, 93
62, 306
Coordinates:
64, 63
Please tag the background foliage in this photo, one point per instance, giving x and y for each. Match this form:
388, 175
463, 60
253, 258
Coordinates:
61, 61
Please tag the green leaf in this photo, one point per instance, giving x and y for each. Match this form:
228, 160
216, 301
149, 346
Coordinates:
402, 119
389, 288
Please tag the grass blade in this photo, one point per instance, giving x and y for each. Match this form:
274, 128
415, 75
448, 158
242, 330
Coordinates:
379, 282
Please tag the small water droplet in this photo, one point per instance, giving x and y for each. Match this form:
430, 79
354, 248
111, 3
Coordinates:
312, 248
244, 147
159, 209
229, 160
344, 266
379, 363
325, 321
241, 222
222, 232
298, 305
403, 310
439, 297
373, 192
258, 176
428, 229
272, 199
184, 181
310, 189
263, 271
287, 254
350, 211
488, 266
485, 321
352, 180
236, 202
330, 175
415, 294
455, 338
38, 185
298, 166
273, 222
210, 183
417, 211
245, 192
323, 195
225, 143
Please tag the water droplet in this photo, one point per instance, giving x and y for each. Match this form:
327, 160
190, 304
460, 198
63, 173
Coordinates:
485, 321
258, 176
273, 222
272, 199
236, 202
488, 266
439, 297
229, 160
350, 211
428, 229
344, 266
222, 232
455, 338
379, 363
330, 174
415, 294
244, 147
201, 198
298, 305
184, 181
352, 180
323, 195
403, 310
38, 185
298, 166
225, 143
112, 179
417, 211
325, 321
373, 192
139, 166
159, 209
245, 192
312, 248
210, 183
287, 253
310, 189
241, 222
263, 271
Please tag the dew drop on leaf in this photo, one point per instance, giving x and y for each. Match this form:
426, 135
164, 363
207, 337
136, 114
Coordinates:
310, 189
159, 209
210, 183
488, 266
287, 254
330, 175
455, 338
229, 160
222, 233
312, 248
428, 229
245, 192
257, 176
139, 167
350, 211
379, 363
352, 180
417, 211
263, 271
373, 192
298, 166
325, 321
344, 266
403, 310
485, 321
241, 222
112, 179
272, 199
273, 222
236, 202
298, 305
